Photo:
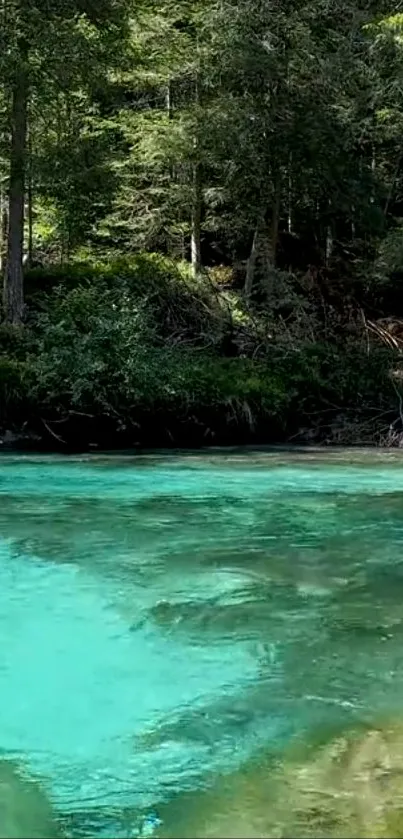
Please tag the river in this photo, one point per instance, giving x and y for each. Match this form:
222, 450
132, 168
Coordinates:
166, 619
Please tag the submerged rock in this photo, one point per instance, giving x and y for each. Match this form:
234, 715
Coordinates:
24, 808
350, 787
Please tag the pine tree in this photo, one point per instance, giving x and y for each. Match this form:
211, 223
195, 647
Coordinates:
57, 46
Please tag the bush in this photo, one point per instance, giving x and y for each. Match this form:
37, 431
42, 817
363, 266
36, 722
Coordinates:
182, 308
339, 386
86, 340
14, 391
15, 341
98, 351
138, 343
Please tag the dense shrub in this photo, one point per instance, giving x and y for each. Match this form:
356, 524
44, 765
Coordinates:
181, 308
15, 391
98, 351
137, 347
327, 375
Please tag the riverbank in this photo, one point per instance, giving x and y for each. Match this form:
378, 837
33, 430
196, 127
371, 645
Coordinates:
23, 440
137, 354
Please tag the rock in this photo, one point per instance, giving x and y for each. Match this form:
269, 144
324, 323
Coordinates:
349, 787
24, 808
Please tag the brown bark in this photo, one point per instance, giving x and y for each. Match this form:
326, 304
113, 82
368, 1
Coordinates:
168, 99
329, 243
13, 297
195, 238
251, 263
262, 260
30, 207
196, 221
4, 233
290, 196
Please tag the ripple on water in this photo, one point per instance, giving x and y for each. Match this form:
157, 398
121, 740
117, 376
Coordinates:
76, 685
165, 619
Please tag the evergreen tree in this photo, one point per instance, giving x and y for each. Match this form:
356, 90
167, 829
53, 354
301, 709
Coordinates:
46, 48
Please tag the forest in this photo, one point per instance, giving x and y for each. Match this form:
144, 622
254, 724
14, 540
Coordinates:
201, 223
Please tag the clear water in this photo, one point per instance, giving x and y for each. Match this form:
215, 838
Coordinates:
165, 619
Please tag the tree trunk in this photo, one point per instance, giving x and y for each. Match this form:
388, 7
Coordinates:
30, 207
262, 260
169, 239
251, 263
196, 221
168, 99
290, 196
195, 238
373, 171
329, 233
4, 233
329, 244
13, 279
275, 221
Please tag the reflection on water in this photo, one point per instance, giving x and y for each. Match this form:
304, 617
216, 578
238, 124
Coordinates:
170, 624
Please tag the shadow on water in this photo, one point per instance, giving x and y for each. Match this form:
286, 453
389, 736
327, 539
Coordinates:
172, 625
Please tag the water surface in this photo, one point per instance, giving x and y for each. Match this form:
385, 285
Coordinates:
166, 619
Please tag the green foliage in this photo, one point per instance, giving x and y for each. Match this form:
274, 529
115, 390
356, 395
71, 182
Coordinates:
390, 255
342, 378
112, 341
15, 341
101, 347
96, 350
87, 340
181, 308
14, 391
156, 126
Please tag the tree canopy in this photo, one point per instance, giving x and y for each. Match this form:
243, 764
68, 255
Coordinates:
258, 142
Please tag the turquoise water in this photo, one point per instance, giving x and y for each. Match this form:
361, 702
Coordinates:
164, 618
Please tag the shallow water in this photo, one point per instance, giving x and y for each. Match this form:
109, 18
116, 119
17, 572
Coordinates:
166, 619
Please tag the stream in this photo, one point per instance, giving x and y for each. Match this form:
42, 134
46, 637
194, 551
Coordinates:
165, 619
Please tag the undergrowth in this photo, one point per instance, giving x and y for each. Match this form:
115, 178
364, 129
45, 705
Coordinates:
136, 352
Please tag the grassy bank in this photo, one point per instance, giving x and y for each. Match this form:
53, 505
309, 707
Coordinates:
135, 352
